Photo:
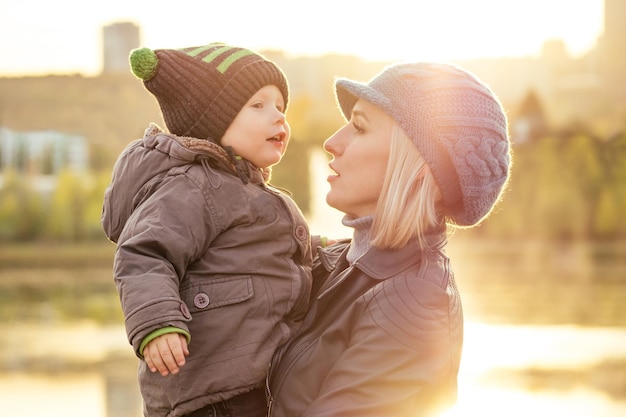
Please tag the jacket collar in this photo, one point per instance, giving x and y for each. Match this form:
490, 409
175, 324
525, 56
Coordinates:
383, 263
190, 149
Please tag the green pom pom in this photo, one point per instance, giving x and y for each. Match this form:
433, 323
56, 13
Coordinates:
143, 62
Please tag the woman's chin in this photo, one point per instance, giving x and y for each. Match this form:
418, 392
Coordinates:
332, 201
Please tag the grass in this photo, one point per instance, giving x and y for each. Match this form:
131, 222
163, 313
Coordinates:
54, 282
56, 254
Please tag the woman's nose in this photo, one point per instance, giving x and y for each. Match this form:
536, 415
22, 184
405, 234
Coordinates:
331, 145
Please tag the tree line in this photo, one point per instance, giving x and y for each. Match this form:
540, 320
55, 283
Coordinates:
561, 188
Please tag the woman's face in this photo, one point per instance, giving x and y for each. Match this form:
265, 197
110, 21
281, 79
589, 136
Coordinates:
360, 151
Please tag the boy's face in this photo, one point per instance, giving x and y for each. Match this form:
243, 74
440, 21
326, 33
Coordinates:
259, 132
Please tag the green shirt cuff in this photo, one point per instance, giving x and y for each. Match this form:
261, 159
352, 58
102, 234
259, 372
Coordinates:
161, 332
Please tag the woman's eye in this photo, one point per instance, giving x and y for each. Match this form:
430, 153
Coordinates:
257, 105
357, 127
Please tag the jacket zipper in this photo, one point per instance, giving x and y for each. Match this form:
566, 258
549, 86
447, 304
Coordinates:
268, 391
302, 345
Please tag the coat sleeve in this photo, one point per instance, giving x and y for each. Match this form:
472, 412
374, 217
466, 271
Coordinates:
163, 235
401, 358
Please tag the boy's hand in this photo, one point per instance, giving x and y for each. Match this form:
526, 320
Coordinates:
166, 353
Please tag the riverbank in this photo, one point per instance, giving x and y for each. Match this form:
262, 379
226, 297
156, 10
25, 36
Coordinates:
501, 282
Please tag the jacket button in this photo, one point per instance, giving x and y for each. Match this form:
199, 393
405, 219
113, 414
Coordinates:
301, 232
185, 310
201, 300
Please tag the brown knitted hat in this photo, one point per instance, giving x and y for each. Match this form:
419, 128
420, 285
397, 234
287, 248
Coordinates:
201, 89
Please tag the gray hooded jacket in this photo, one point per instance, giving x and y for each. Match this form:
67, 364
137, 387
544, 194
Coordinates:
199, 249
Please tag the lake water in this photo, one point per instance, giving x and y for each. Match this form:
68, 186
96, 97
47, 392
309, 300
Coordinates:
84, 370
545, 334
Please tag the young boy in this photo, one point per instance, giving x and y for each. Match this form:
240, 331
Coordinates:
212, 263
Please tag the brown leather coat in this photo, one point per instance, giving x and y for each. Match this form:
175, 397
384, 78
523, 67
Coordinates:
383, 337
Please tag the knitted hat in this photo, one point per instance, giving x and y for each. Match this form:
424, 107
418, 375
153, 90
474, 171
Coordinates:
201, 89
455, 121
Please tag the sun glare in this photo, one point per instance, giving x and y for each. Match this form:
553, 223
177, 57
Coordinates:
491, 347
447, 29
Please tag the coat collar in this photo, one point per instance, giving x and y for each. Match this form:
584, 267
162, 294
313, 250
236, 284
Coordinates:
382, 263
378, 264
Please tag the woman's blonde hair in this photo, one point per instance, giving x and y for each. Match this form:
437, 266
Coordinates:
408, 202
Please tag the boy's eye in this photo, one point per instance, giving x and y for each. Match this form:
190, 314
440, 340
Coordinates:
257, 105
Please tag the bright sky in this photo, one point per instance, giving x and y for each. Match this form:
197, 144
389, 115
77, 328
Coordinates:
60, 36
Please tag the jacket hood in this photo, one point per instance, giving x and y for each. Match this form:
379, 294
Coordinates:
142, 166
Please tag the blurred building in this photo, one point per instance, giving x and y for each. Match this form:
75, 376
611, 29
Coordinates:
586, 91
612, 48
574, 91
580, 93
118, 39
42, 155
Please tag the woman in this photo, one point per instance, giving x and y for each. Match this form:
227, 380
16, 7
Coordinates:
425, 148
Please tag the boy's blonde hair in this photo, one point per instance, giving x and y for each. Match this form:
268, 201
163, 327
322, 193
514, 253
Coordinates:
408, 203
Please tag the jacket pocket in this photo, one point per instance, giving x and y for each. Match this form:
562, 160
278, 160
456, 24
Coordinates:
217, 292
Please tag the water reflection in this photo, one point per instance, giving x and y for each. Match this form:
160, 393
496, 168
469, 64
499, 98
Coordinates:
496, 402
55, 370
61, 376
543, 371
68, 395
